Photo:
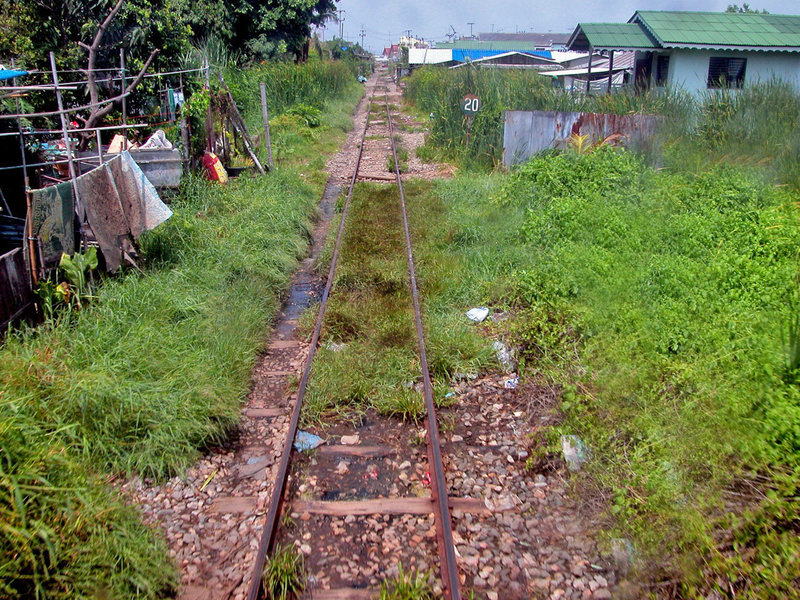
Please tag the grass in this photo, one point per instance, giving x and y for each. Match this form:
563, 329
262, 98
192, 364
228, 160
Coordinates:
145, 378
284, 574
660, 302
370, 313
756, 125
406, 586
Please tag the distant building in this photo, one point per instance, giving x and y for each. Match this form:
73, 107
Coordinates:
553, 42
393, 52
697, 50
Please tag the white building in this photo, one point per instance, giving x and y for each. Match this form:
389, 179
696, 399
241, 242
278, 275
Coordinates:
697, 50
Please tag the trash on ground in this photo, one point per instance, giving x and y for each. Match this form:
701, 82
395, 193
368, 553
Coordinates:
214, 169
622, 551
305, 441
343, 467
350, 440
501, 503
505, 356
511, 384
478, 314
426, 479
575, 452
208, 480
157, 141
463, 376
362, 79
449, 394
335, 346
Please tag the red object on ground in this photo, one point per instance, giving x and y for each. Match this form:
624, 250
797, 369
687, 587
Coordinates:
214, 169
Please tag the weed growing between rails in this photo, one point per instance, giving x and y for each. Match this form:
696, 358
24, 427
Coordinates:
369, 358
659, 303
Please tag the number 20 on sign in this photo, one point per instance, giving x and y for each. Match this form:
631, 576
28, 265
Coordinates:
471, 104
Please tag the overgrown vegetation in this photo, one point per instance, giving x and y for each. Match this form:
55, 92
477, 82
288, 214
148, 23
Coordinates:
406, 586
439, 92
662, 303
369, 354
756, 125
284, 574
145, 376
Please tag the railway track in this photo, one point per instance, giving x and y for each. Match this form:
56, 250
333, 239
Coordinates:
438, 503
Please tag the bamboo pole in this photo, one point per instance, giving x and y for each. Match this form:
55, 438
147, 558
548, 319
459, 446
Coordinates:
31, 245
68, 147
270, 164
124, 100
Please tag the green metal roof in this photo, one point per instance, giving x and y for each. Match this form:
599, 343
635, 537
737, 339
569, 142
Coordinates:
611, 36
702, 29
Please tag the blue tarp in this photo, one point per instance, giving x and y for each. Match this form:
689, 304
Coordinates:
8, 74
465, 55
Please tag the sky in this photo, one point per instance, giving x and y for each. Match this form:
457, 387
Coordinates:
384, 21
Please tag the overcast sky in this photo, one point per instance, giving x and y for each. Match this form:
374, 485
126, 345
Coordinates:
384, 21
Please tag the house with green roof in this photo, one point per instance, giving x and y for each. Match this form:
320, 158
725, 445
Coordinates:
699, 50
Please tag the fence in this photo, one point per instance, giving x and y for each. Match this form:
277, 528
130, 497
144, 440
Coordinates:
17, 296
528, 132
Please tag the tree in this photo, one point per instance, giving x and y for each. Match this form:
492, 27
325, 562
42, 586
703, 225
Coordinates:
745, 8
258, 29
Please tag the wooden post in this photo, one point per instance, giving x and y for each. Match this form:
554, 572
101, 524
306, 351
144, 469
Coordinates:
185, 140
237, 121
610, 70
209, 116
99, 147
124, 99
65, 133
270, 164
589, 71
31, 245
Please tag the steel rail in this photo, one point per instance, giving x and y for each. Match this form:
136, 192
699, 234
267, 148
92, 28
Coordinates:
270, 527
444, 526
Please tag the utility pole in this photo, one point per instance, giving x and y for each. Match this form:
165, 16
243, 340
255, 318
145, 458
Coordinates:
362, 34
341, 23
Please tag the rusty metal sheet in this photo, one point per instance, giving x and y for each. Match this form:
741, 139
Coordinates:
15, 288
529, 132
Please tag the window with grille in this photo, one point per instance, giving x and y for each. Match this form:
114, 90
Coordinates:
662, 70
726, 72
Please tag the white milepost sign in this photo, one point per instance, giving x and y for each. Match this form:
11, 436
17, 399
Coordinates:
471, 104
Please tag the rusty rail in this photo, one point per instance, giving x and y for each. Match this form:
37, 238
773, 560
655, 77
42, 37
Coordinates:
276, 501
449, 570
444, 526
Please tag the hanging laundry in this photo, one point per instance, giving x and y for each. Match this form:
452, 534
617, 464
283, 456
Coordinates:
53, 217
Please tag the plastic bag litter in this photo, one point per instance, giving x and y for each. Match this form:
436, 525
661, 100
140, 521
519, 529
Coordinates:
478, 314
511, 384
157, 141
575, 452
505, 356
305, 441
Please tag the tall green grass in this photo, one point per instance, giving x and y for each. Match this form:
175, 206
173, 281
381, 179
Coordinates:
145, 378
661, 303
439, 92
757, 125
315, 82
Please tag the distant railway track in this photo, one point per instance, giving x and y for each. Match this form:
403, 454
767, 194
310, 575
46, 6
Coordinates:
438, 503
